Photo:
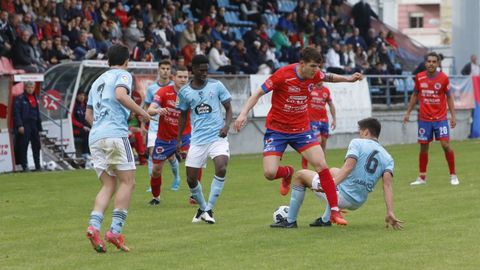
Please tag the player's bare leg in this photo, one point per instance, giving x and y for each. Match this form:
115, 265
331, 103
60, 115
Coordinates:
450, 157
422, 165
316, 157
323, 144
272, 171
156, 182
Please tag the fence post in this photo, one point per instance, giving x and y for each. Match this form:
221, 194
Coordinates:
389, 101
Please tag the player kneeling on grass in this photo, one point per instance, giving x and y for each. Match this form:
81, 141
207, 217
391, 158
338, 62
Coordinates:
108, 108
166, 142
365, 162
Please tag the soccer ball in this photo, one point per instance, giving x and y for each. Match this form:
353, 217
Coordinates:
51, 165
280, 214
89, 164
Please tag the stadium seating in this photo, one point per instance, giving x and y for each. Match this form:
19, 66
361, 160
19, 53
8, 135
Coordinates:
286, 6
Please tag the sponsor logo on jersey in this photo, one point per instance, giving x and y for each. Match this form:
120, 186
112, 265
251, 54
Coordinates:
310, 87
424, 85
301, 98
203, 109
293, 89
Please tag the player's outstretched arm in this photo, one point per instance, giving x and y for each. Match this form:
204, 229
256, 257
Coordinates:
228, 119
411, 104
330, 77
121, 94
155, 109
242, 117
451, 107
390, 218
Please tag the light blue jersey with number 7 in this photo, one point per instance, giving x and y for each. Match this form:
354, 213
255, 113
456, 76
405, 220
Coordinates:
110, 118
372, 162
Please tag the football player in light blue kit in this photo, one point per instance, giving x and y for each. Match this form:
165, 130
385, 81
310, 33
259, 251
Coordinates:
203, 96
164, 72
365, 162
108, 108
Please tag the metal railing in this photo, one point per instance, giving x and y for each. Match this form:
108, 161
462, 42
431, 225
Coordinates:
64, 111
393, 90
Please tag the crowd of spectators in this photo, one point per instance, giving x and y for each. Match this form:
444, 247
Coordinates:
37, 34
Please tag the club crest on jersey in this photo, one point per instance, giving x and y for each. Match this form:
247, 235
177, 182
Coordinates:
203, 109
293, 89
310, 87
124, 79
437, 86
159, 150
325, 95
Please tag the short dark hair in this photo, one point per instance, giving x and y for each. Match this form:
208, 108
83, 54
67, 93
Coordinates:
117, 55
165, 62
178, 68
199, 59
434, 54
372, 124
311, 55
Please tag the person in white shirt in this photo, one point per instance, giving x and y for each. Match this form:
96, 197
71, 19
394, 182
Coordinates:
217, 59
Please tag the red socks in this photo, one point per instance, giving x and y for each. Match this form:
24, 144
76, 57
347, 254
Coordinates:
450, 157
326, 181
282, 172
422, 164
156, 184
304, 163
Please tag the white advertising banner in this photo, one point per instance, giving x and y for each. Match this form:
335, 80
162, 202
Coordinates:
351, 100
265, 102
352, 103
6, 161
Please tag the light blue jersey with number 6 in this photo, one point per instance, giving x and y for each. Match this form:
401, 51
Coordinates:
372, 162
110, 118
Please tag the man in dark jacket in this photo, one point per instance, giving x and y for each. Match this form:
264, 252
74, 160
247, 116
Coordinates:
27, 124
22, 54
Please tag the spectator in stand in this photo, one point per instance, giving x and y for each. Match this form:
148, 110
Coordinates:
347, 57
101, 35
64, 12
28, 124
221, 16
372, 55
65, 50
52, 28
27, 24
282, 43
22, 55
357, 40
188, 36
377, 81
121, 14
85, 47
104, 13
217, 35
59, 53
132, 35
81, 128
48, 54
390, 39
286, 22
115, 31
209, 19
6, 42
217, 59
471, 68
249, 11
362, 13
143, 51
240, 59
361, 59
385, 58
371, 37
41, 8
381, 40
332, 61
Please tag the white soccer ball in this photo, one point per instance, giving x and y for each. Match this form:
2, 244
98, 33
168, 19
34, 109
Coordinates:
280, 214
51, 165
89, 164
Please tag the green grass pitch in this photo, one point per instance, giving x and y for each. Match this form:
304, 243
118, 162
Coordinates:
43, 217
